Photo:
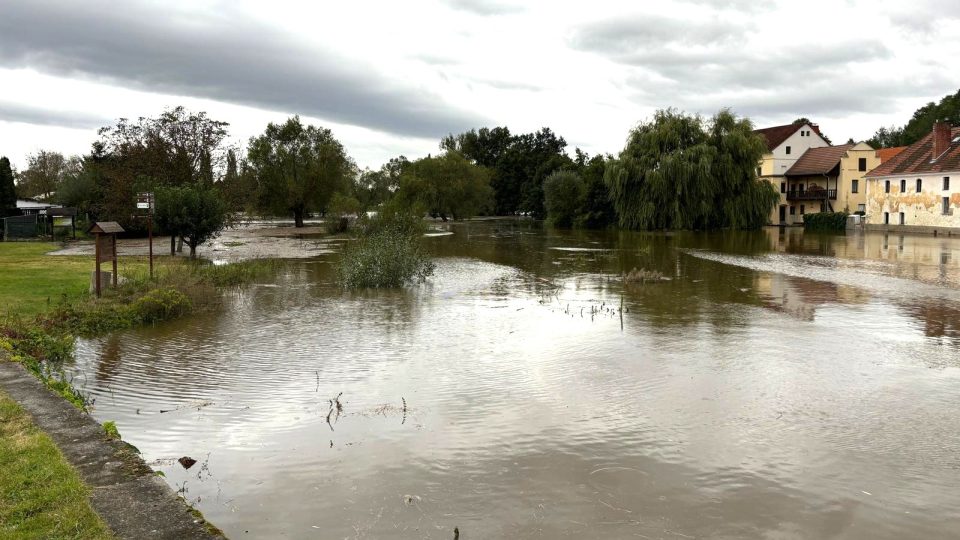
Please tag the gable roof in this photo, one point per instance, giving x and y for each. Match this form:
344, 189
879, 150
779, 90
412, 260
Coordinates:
777, 134
915, 159
819, 160
886, 154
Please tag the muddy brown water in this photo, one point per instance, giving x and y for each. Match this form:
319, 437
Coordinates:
779, 385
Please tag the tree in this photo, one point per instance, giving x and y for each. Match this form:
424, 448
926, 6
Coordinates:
519, 164
920, 124
298, 168
564, 194
597, 211
177, 148
45, 172
887, 137
447, 186
676, 172
195, 213
8, 193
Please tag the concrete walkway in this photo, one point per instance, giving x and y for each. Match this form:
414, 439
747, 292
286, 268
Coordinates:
132, 501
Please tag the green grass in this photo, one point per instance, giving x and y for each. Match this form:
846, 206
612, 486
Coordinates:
31, 281
41, 495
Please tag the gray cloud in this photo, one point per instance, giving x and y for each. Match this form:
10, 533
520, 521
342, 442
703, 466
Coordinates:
703, 66
18, 112
223, 57
484, 7
921, 16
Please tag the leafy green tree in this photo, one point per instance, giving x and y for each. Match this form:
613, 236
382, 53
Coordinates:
176, 148
564, 195
678, 172
887, 137
920, 124
195, 213
447, 186
597, 211
45, 172
8, 193
298, 168
519, 164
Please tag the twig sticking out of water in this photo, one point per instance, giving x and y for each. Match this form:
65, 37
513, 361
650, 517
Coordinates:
456, 533
335, 405
318, 381
404, 421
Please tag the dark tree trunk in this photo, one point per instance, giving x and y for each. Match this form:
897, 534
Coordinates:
173, 245
298, 217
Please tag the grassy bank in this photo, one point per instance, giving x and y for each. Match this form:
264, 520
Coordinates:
42, 495
46, 306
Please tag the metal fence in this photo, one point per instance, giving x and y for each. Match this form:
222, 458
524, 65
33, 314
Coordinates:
20, 227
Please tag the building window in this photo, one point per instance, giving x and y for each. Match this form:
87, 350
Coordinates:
903, 219
946, 183
886, 218
793, 210
759, 172
903, 186
862, 164
783, 187
919, 185
946, 206
854, 186
886, 187
788, 150
801, 210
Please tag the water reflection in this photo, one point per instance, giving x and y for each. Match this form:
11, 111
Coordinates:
778, 385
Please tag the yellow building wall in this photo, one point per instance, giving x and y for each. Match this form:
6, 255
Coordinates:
850, 171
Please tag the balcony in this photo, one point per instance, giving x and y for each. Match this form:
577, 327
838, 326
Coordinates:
812, 195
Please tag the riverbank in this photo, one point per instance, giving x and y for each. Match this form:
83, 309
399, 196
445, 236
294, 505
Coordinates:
86, 485
48, 306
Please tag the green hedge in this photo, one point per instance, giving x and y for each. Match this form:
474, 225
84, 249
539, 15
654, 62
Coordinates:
825, 221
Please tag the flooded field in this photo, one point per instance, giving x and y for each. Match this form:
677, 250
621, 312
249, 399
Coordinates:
775, 385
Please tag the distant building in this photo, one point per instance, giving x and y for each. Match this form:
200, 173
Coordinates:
29, 207
827, 179
919, 188
785, 145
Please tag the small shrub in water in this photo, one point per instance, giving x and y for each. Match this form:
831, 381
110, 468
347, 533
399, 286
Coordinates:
161, 305
388, 253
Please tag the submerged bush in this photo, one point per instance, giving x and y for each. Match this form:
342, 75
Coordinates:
825, 221
160, 305
387, 253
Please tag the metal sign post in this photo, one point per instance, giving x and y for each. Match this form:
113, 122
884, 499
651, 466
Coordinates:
145, 204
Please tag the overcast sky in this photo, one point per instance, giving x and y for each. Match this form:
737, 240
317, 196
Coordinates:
392, 77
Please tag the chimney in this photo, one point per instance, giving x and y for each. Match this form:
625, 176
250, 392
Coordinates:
941, 139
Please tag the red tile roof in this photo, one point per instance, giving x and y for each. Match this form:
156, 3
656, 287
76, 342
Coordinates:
818, 160
915, 159
885, 154
777, 134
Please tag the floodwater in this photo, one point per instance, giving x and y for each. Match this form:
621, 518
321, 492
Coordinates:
778, 385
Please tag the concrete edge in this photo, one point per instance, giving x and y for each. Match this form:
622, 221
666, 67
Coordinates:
133, 502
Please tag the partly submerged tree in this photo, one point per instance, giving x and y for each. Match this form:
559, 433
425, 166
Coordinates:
447, 186
679, 172
298, 168
195, 213
564, 195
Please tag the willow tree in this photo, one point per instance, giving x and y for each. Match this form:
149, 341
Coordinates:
680, 172
298, 168
448, 186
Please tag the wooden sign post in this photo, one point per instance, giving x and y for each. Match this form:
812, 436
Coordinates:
105, 240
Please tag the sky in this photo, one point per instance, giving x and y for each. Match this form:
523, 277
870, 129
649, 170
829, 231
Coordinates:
391, 78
